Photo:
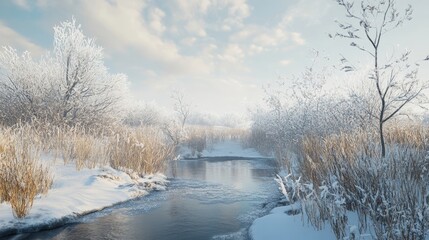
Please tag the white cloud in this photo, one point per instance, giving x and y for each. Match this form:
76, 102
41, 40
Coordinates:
120, 27
308, 11
260, 38
194, 14
238, 10
255, 49
22, 4
189, 41
229, 60
233, 54
190, 13
285, 62
271, 37
156, 16
297, 38
256, 38
189, 8
138, 27
10, 37
42, 3
196, 27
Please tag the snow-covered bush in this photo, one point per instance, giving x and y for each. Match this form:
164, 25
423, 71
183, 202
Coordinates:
345, 173
305, 106
143, 115
281, 129
22, 95
260, 136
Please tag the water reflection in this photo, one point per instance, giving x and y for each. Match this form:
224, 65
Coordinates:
205, 199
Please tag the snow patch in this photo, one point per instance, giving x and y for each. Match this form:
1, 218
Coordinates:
279, 225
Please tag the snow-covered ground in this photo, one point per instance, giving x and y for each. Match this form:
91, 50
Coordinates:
229, 148
286, 222
76, 193
281, 225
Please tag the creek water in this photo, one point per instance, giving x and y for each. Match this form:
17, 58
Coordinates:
213, 198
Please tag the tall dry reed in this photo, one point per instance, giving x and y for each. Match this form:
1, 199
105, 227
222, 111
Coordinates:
22, 176
345, 172
142, 150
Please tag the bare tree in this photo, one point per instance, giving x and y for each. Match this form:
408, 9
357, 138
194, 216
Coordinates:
174, 128
181, 107
395, 81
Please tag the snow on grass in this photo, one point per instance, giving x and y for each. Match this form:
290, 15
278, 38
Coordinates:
76, 193
228, 148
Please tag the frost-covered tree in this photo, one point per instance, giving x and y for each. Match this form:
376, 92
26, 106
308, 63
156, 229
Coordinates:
69, 85
395, 80
19, 92
84, 89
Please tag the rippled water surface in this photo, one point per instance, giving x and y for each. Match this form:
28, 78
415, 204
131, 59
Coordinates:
214, 198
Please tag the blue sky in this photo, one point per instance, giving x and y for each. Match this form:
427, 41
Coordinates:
220, 53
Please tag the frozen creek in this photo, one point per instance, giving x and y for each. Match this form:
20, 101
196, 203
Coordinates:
211, 198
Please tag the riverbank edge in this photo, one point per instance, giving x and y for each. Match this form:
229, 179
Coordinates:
60, 222
136, 189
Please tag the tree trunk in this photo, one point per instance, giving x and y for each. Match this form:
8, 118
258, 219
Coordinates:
383, 145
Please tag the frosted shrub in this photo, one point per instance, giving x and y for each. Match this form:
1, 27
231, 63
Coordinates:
345, 172
259, 139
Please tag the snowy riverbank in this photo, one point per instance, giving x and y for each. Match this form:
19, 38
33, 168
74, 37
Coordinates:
75, 193
287, 222
281, 223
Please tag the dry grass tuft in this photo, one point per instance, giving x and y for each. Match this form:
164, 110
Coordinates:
197, 139
142, 150
406, 134
318, 156
22, 177
86, 149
